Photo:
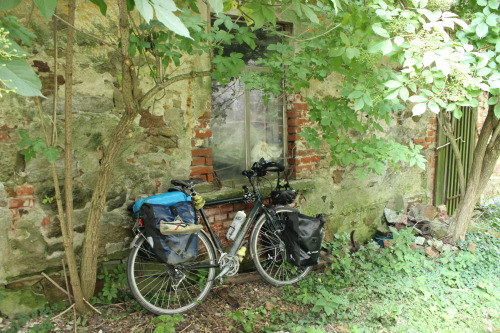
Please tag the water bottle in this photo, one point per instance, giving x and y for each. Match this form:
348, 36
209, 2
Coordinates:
238, 220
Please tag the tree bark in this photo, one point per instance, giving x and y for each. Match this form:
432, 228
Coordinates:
65, 213
91, 242
486, 154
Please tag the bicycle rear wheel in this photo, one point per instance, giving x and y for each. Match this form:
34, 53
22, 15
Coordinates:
269, 253
169, 289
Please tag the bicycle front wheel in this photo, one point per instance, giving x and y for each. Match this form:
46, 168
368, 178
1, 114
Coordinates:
269, 253
169, 289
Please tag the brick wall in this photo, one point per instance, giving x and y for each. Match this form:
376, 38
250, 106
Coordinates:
19, 199
201, 164
220, 217
429, 142
301, 159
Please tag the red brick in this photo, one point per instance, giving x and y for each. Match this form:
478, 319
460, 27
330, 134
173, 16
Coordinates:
226, 208
306, 152
293, 137
10, 192
305, 160
16, 203
201, 170
296, 114
210, 177
208, 161
46, 221
300, 106
294, 129
297, 121
220, 217
4, 135
239, 206
25, 190
301, 168
211, 211
198, 161
316, 158
202, 133
202, 152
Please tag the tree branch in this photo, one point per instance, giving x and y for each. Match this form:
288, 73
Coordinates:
153, 91
85, 33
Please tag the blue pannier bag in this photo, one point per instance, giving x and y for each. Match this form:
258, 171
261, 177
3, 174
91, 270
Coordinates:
169, 207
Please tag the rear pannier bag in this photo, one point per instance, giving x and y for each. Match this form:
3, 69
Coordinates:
303, 236
171, 249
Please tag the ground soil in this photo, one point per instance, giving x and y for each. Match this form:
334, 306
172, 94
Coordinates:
248, 291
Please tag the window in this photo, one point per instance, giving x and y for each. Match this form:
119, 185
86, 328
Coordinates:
244, 127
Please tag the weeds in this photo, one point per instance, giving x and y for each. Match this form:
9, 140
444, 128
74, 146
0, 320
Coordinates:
115, 288
166, 323
395, 289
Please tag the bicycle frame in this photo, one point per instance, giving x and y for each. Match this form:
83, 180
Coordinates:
242, 232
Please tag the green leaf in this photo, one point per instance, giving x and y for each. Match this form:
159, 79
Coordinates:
386, 47
419, 109
345, 39
393, 94
358, 104
352, 52
482, 30
217, 5
433, 107
399, 40
17, 74
404, 93
145, 9
171, 21
355, 94
309, 13
417, 99
496, 110
393, 84
491, 20
377, 28
9, 4
51, 153
102, 6
46, 7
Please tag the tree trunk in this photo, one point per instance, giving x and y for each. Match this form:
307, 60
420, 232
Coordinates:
486, 155
88, 270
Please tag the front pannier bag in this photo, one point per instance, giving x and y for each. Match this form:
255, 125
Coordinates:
172, 208
303, 236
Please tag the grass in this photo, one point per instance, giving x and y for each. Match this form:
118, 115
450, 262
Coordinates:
396, 289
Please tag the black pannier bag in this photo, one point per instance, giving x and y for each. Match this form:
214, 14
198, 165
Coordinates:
283, 197
172, 249
303, 236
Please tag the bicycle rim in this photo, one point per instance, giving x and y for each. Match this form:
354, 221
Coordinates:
169, 289
269, 252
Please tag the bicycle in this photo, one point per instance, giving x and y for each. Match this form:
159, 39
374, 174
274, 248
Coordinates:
169, 289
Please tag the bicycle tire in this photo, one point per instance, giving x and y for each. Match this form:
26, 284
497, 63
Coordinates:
269, 253
151, 280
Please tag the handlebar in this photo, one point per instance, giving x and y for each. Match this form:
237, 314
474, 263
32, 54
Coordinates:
262, 167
